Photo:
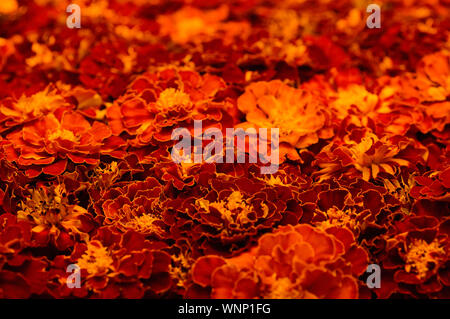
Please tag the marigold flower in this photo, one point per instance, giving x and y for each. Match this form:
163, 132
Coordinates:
52, 216
418, 256
355, 96
21, 273
28, 278
114, 265
158, 102
292, 262
227, 213
45, 144
435, 186
28, 108
370, 155
15, 235
300, 116
136, 206
420, 98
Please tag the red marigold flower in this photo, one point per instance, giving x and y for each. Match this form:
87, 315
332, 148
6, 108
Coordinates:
156, 103
417, 255
136, 206
357, 99
116, 265
24, 280
223, 214
106, 71
51, 215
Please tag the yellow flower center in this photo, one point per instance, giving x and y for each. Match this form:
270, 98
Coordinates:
180, 268
96, 259
63, 134
283, 288
172, 97
144, 224
105, 177
235, 209
38, 104
45, 207
50, 208
421, 254
337, 217
401, 189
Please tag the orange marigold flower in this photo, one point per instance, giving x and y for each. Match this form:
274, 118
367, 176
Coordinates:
45, 144
293, 262
300, 116
227, 213
434, 69
28, 108
372, 155
420, 98
358, 97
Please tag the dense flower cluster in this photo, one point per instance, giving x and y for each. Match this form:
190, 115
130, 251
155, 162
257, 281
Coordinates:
87, 178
